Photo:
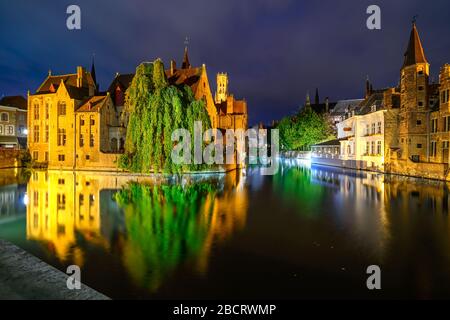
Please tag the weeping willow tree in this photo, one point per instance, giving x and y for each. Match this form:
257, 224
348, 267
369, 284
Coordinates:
155, 110
166, 225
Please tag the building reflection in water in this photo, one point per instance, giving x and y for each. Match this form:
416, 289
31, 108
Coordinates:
364, 205
69, 212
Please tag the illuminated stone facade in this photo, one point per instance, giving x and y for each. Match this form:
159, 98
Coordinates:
71, 125
409, 124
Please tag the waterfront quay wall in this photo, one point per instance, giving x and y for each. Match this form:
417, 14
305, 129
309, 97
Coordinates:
296, 154
427, 170
404, 167
10, 158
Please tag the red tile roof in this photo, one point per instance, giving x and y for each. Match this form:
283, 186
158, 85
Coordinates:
93, 104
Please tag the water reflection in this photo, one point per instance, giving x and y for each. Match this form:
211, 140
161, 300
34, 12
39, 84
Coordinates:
154, 227
238, 235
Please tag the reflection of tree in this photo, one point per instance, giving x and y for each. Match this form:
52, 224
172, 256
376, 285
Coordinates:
166, 225
294, 184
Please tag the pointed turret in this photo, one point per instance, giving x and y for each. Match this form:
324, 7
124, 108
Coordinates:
368, 88
414, 53
186, 64
308, 101
316, 98
94, 76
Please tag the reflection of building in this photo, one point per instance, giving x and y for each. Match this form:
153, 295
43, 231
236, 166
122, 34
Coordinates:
11, 200
71, 125
62, 204
72, 211
13, 122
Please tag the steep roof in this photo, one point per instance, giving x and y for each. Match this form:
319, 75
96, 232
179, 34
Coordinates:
92, 104
51, 84
15, 102
342, 106
190, 77
121, 80
414, 53
186, 64
375, 99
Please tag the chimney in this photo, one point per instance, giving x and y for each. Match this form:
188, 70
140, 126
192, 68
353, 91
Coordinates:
80, 72
327, 105
173, 67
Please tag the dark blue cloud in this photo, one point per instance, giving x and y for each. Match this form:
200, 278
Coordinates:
274, 51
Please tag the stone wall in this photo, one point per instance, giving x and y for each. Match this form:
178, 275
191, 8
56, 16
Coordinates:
428, 170
9, 158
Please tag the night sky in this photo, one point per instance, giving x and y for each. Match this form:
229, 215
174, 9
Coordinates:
273, 50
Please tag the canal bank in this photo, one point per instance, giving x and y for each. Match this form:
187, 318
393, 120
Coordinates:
23, 276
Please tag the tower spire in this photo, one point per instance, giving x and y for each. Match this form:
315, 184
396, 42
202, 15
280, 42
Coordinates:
93, 74
186, 64
368, 87
308, 101
316, 98
414, 53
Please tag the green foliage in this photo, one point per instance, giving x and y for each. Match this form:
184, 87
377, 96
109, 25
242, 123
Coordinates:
301, 131
155, 110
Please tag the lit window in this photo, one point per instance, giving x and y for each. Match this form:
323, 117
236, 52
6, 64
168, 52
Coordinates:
61, 108
36, 134
4, 117
61, 201
36, 111
61, 137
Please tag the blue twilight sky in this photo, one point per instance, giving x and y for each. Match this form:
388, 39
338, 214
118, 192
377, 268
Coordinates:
273, 50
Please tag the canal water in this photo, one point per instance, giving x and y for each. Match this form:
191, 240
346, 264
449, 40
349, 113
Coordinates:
302, 233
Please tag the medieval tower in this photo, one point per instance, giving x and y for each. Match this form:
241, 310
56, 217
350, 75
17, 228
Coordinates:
414, 108
222, 87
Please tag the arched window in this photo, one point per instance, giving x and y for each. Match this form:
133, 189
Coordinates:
5, 117
36, 110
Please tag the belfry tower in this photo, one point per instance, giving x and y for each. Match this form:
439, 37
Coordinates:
222, 88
